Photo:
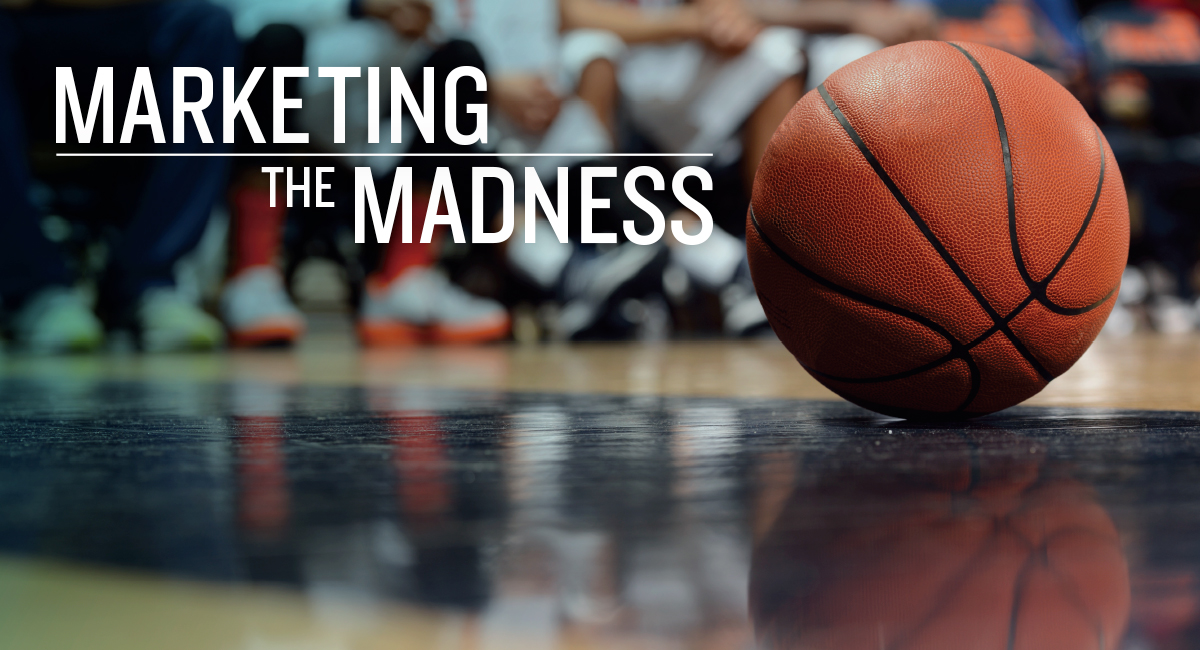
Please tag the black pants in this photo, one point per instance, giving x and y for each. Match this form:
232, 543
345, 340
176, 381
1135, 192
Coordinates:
163, 209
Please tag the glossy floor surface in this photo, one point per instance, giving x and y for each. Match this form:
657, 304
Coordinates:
1140, 372
675, 496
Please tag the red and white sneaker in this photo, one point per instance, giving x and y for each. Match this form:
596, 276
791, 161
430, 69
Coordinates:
423, 305
258, 311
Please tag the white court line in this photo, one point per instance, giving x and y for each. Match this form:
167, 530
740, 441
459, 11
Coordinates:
384, 155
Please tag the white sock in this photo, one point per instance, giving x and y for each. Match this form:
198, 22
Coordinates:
544, 260
713, 263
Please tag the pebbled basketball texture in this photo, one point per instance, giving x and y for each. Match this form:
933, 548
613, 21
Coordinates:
938, 230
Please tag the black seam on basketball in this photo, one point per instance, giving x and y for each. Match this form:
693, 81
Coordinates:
1014, 612
957, 349
850, 293
1036, 288
1087, 220
972, 370
1072, 590
1008, 170
879, 380
1065, 311
1021, 307
996, 328
929, 235
945, 595
976, 381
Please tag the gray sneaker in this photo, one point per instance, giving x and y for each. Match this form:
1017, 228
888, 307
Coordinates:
257, 309
743, 314
168, 322
595, 287
56, 320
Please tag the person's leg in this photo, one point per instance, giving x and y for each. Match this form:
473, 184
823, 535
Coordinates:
761, 125
407, 300
28, 261
254, 302
180, 192
598, 88
587, 63
44, 314
255, 305
256, 224
399, 256
177, 197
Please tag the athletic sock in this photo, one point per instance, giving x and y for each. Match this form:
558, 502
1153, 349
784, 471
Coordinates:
257, 228
400, 257
714, 262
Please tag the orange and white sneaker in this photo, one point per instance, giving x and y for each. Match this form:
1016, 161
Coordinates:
258, 311
423, 305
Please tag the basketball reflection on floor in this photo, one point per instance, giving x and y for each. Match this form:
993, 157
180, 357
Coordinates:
946, 540
544, 518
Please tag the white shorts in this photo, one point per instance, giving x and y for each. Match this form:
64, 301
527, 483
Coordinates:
360, 44
686, 98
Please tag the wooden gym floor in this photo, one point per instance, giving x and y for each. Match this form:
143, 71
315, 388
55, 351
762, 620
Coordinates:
549, 496
1145, 371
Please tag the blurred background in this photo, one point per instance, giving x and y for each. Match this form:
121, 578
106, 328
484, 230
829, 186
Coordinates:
383, 486
125, 253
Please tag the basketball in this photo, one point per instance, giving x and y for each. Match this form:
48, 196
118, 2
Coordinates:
937, 230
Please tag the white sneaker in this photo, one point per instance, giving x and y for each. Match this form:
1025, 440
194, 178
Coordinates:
1172, 315
167, 322
593, 287
743, 314
422, 304
257, 309
1121, 322
56, 320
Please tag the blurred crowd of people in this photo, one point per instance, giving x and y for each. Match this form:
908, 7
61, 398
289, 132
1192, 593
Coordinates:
96, 245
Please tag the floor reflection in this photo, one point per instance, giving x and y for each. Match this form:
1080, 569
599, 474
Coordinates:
942, 540
546, 521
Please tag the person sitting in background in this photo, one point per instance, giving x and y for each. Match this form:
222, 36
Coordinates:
698, 71
718, 76
556, 97
406, 299
44, 311
555, 91
698, 74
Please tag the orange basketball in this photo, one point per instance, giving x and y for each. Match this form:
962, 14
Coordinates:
938, 230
